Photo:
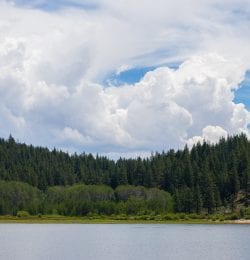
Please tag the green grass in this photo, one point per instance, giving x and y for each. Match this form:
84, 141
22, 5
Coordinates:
57, 219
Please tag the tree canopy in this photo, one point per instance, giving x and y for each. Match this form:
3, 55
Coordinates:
206, 176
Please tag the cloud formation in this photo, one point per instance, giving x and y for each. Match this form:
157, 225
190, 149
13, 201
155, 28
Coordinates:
52, 65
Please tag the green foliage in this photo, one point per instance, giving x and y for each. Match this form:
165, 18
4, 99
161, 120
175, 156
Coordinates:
124, 192
242, 213
159, 200
202, 179
17, 196
233, 216
81, 199
23, 214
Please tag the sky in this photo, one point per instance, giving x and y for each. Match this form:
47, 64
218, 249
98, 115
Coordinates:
124, 78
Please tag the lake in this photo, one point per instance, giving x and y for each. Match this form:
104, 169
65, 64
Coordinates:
124, 241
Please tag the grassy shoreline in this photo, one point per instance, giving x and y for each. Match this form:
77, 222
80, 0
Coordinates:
85, 220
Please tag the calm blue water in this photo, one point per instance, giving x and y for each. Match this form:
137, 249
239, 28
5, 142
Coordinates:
118, 242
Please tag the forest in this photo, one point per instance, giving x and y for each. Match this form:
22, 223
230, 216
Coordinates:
206, 178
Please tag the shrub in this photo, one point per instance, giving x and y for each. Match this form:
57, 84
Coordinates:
23, 214
168, 217
182, 216
242, 213
232, 217
194, 216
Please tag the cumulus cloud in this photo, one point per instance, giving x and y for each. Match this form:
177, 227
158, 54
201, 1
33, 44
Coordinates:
211, 134
52, 65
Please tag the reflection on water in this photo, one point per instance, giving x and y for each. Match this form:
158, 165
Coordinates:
123, 242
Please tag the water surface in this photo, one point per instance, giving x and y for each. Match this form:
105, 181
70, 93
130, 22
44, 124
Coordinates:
124, 241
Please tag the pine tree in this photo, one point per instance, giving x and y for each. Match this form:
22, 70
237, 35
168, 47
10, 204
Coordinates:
197, 199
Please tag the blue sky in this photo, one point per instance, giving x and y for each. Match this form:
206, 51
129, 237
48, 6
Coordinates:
55, 5
243, 94
68, 70
132, 76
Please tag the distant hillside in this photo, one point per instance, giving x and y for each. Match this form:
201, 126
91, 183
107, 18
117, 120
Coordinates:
205, 177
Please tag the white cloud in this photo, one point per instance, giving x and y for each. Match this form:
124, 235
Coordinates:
52, 65
73, 136
212, 134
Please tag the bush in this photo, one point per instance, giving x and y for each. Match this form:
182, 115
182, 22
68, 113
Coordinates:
214, 218
168, 217
124, 192
23, 214
242, 213
221, 218
232, 217
194, 216
182, 216
19, 196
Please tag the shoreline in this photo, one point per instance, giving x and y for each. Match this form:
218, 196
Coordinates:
79, 220
242, 221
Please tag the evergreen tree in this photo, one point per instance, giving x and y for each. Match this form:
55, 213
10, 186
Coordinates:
207, 176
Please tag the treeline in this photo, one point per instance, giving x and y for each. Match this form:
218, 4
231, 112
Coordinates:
207, 176
81, 200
